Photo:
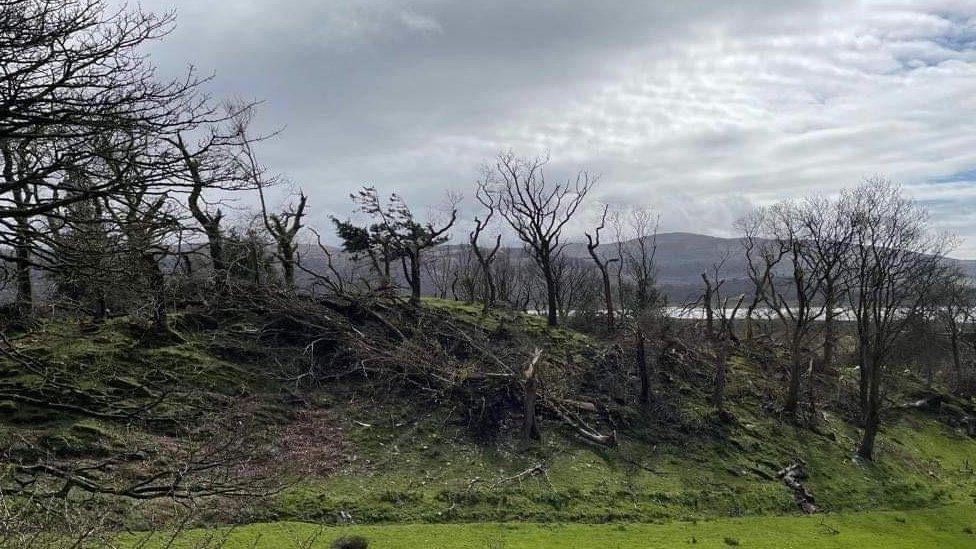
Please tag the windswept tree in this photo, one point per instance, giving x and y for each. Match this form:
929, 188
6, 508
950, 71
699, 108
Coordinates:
209, 167
893, 268
603, 265
282, 226
394, 235
75, 84
485, 256
538, 211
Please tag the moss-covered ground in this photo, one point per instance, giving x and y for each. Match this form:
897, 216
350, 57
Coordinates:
409, 475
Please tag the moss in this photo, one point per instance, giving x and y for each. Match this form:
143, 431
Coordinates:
413, 463
8, 407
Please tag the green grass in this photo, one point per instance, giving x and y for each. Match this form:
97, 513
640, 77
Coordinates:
944, 527
417, 473
414, 463
560, 343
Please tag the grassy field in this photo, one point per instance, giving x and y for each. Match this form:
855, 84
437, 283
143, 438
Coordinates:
944, 527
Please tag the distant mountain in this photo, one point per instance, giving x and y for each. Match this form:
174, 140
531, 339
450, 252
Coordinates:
681, 258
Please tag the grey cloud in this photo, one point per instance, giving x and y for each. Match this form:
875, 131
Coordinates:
702, 108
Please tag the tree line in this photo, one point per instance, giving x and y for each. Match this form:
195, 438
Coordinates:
115, 188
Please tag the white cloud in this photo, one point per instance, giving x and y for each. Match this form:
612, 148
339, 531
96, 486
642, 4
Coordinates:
702, 108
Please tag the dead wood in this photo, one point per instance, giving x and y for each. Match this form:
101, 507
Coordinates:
792, 476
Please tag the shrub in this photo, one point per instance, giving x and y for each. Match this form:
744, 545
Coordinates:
350, 542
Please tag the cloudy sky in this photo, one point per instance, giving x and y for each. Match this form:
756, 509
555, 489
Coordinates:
700, 109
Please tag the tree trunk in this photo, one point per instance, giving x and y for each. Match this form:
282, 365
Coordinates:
101, 307
607, 297
796, 375
158, 283
750, 314
864, 375
709, 313
640, 355
956, 359
415, 280
872, 416
866, 448
551, 297
490, 295
25, 290
215, 241
721, 373
605, 274
829, 335
530, 429
287, 254
22, 252
812, 385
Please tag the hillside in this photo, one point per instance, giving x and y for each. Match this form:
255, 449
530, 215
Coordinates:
680, 259
350, 449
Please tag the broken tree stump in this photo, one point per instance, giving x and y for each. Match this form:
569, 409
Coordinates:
529, 388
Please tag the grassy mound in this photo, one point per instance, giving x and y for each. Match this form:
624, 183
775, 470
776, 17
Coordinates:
353, 450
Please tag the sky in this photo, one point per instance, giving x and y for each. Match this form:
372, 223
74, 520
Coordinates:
701, 110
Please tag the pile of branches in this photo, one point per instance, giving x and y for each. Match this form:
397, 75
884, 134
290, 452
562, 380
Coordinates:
225, 454
149, 442
50, 387
428, 354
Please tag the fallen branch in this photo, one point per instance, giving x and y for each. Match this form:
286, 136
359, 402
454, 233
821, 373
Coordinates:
792, 477
537, 469
578, 404
582, 428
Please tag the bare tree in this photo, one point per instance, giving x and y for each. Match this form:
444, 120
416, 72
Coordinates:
514, 285
894, 265
204, 170
74, 86
720, 315
793, 299
644, 299
444, 269
760, 263
577, 295
954, 307
485, 257
828, 232
592, 243
538, 212
282, 227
